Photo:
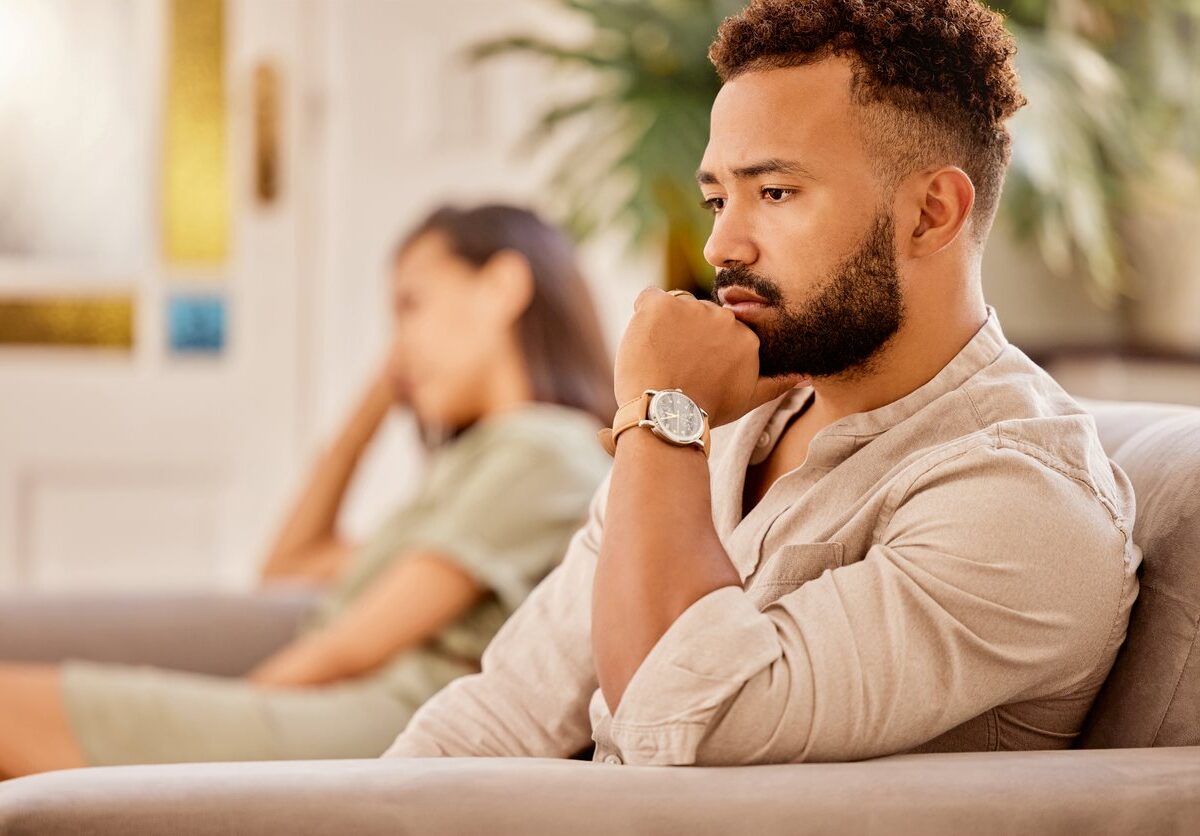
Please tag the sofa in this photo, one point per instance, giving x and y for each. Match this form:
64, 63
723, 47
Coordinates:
1135, 768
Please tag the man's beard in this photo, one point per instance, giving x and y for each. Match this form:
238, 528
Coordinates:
849, 319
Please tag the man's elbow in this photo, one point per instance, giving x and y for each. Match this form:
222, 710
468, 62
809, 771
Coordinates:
712, 744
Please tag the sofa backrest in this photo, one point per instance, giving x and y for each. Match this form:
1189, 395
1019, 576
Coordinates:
1152, 695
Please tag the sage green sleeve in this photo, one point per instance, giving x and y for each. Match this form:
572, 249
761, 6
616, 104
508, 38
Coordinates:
509, 515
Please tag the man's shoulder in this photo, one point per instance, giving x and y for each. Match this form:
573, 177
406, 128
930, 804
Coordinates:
1026, 425
1022, 408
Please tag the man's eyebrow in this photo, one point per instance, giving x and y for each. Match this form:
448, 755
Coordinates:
769, 166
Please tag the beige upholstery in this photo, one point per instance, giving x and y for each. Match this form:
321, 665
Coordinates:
1151, 697
1116, 791
220, 634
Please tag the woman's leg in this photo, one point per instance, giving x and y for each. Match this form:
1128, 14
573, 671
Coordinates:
35, 735
126, 715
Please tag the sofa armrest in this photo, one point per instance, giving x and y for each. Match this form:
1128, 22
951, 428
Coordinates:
215, 633
1068, 792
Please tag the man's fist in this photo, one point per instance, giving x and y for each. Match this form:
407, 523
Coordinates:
680, 342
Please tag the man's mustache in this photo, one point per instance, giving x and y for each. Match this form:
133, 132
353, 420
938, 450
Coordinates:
743, 277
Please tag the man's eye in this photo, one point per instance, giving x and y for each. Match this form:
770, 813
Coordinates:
713, 204
778, 195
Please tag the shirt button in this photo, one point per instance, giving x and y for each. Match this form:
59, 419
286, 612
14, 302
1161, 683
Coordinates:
611, 759
764, 440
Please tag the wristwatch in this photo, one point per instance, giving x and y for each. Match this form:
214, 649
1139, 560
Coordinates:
668, 413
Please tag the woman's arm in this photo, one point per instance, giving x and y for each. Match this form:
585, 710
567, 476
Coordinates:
308, 547
412, 601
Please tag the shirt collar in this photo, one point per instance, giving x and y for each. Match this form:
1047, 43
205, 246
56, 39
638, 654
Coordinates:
833, 444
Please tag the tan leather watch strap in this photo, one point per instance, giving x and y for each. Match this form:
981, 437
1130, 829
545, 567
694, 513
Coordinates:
632, 413
629, 415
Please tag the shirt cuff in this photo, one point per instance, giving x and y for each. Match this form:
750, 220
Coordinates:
704, 659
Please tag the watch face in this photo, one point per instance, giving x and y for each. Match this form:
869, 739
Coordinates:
677, 417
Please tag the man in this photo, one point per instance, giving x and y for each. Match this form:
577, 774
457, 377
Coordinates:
907, 535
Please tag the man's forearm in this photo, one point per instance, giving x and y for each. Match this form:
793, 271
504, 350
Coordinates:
660, 554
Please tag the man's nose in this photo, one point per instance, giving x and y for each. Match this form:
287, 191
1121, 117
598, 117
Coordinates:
730, 241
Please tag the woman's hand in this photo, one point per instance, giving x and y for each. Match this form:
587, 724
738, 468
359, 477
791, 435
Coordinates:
309, 539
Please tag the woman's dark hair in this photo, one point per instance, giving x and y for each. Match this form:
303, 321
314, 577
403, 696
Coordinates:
560, 333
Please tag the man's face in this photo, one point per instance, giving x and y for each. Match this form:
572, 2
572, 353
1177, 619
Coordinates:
803, 238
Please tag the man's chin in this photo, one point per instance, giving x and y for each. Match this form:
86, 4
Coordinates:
800, 378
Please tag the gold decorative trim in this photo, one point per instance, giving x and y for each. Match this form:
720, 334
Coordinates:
196, 190
84, 321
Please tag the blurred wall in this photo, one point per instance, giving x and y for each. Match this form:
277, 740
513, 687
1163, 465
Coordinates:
144, 467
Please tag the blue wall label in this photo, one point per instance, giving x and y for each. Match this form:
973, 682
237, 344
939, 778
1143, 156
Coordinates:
196, 323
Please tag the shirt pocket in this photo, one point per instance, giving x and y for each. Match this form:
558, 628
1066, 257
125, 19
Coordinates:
790, 566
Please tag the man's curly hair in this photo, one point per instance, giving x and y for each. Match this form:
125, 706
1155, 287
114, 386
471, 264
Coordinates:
935, 77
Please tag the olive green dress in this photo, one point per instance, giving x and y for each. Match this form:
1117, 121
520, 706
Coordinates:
502, 499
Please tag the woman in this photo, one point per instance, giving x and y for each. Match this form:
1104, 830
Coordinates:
498, 351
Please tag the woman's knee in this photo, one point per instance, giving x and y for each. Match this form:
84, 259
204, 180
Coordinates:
35, 733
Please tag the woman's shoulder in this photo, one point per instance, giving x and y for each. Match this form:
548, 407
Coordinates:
555, 446
544, 427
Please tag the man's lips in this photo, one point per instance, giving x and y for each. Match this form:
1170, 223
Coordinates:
741, 301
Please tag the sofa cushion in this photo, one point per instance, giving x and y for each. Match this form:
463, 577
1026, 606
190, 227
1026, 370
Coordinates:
1118, 421
1152, 695
218, 633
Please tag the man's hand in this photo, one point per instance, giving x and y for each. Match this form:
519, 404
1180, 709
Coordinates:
680, 342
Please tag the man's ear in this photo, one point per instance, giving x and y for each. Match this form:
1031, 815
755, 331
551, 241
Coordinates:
509, 281
942, 203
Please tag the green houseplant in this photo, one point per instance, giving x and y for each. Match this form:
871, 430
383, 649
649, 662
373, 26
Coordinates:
640, 129
1113, 123
1111, 85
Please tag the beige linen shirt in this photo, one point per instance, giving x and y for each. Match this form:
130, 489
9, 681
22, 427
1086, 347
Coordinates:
951, 571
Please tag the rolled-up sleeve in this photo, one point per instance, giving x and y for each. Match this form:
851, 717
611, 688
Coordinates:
995, 578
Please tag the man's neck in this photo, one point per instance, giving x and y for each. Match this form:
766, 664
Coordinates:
917, 352
920, 350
